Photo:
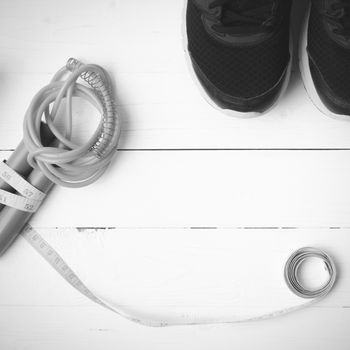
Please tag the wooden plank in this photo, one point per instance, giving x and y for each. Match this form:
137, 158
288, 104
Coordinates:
160, 105
38, 309
209, 189
169, 273
35, 328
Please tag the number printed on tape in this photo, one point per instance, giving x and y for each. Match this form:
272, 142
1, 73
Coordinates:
17, 182
6, 176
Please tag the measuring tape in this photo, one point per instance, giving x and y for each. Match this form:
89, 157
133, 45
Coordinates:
57, 262
29, 198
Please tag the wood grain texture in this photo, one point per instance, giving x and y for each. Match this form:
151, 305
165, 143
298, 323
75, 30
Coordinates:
90, 328
210, 189
56, 314
200, 270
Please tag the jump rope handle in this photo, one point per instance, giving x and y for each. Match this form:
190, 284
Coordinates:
12, 221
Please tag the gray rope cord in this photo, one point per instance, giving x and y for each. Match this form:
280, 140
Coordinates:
69, 164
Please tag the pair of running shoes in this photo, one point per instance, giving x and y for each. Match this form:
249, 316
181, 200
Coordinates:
241, 53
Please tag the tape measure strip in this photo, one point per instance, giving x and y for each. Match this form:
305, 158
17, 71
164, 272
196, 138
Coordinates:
18, 202
56, 261
29, 198
17, 182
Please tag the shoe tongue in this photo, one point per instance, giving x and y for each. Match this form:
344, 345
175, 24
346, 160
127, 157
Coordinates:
258, 9
248, 4
241, 4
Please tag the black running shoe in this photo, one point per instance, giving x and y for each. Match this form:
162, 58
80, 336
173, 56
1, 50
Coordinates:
240, 51
325, 56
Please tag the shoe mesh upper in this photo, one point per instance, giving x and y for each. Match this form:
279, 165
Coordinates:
245, 71
331, 59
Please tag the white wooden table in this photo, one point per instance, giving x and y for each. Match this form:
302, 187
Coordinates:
190, 190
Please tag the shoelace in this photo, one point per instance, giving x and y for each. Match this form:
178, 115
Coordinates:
243, 16
338, 14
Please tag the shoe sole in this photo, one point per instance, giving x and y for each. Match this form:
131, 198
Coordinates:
207, 97
304, 66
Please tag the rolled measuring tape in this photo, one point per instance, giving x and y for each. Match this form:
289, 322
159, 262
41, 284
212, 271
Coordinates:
292, 278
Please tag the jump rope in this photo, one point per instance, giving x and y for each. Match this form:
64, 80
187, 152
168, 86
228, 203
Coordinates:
47, 156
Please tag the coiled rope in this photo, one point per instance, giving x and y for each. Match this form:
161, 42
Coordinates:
66, 163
